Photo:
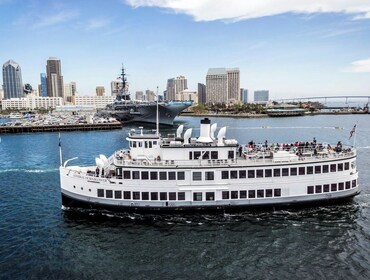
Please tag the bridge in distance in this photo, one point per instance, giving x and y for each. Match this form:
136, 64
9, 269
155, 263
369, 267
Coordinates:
347, 101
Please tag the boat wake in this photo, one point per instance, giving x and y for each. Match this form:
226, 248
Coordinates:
21, 170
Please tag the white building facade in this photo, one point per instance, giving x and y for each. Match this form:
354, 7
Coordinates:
99, 102
32, 103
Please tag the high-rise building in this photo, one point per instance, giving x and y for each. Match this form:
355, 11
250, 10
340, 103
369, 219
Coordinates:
244, 95
1, 93
54, 77
149, 95
174, 86
223, 85
202, 93
100, 91
233, 84
261, 96
70, 90
216, 85
12, 79
44, 85
139, 95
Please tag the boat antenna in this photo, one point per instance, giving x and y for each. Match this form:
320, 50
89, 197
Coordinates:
157, 120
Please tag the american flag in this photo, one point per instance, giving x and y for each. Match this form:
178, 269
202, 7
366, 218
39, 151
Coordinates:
352, 131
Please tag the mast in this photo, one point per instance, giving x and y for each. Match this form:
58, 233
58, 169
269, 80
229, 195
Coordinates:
157, 120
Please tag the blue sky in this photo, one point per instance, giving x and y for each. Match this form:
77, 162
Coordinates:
292, 48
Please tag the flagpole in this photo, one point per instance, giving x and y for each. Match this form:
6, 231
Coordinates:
60, 151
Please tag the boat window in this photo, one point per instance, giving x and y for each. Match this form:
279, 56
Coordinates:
325, 168
181, 175
181, 196
117, 194
234, 194
326, 188
285, 171
242, 174
153, 175
251, 174
234, 174
225, 195
333, 167
119, 173
145, 195
243, 194
333, 187
354, 183
260, 193
340, 167
230, 155
269, 193
153, 196
259, 173
126, 195
146, 144
134, 144
163, 175
163, 196
317, 169
172, 196
318, 189
136, 195
150, 144
205, 155
108, 193
277, 192
197, 196
144, 175
214, 154
135, 175
277, 172
293, 171
210, 196
154, 143
225, 174
196, 155
172, 175
268, 173
100, 193
348, 185
209, 175
252, 194
309, 169
197, 176
139, 144
302, 170
126, 174
346, 165
341, 186
310, 190
190, 155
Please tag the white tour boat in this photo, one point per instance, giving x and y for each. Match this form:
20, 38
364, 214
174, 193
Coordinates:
180, 172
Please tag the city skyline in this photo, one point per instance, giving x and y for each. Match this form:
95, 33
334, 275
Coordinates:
292, 49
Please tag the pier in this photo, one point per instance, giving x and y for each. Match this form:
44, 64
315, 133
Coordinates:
53, 128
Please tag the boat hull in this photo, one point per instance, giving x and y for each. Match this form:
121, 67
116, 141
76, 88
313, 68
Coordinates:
75, 203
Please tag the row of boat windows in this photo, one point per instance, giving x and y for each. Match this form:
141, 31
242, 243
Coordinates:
278, 172
194, 155
142, 144
179, 196
331, 187
232, 174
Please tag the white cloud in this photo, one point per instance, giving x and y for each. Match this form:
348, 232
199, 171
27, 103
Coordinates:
234, 10
55, 18
359, 66
97, 23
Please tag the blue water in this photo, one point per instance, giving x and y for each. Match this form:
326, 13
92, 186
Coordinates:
39, 240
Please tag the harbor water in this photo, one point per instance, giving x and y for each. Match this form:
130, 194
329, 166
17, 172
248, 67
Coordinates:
40, 240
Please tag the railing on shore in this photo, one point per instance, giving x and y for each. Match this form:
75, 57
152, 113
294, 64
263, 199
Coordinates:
53, 128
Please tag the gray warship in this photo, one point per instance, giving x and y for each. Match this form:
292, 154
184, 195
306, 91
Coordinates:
126, 110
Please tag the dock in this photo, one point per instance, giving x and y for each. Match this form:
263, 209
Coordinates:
54, 128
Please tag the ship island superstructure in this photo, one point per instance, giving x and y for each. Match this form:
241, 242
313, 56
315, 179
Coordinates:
181, 172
